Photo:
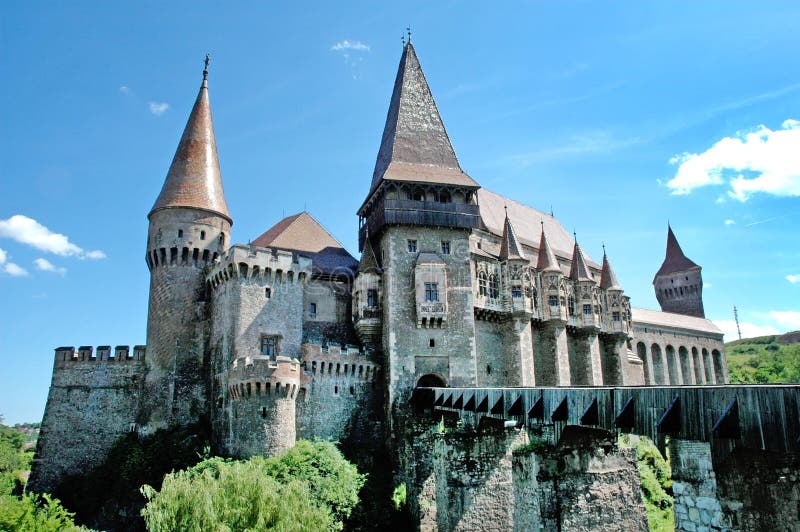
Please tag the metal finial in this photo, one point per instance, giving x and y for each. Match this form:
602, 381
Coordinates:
542, 222
575, 235
506, 209
403, 39
604, 248
205, 70
551, 211
408, 29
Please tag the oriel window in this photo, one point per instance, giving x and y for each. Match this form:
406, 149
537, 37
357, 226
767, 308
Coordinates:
372, 298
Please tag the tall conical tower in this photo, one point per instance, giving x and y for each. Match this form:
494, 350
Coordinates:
189, 228
679, 282
417, 216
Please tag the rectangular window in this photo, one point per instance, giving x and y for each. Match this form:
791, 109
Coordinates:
431, 292
516, 291
268, 292
615, 316
372, 298
269, 346
312, 309
587, 310
552, 301
412, 246
445, 247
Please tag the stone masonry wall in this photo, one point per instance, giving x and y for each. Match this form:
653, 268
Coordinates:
491, 369
694, 485
462, 479
406, 346
92, 403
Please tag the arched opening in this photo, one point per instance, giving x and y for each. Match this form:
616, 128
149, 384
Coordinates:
708, 365
719, 367
641, 351
699, 374
687, 371
673, 367
431, 380
659, 374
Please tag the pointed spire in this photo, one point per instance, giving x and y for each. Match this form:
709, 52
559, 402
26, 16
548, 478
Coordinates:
675, 260
415, 145
608, 279
510, 248
547, 259
369, 261
194, 178
579, 271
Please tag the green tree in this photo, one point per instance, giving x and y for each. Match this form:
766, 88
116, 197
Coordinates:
310, 487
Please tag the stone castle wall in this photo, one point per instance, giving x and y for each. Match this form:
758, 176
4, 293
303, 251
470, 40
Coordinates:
93, 401
462, 479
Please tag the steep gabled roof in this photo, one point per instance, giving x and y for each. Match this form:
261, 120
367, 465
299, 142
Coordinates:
369, 261
579, 271
510, 247
302, 233
608, 279
194, 179
415, 145
675, 260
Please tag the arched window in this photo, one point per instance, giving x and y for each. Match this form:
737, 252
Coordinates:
571, 305
417, 194
444, 197
482, 284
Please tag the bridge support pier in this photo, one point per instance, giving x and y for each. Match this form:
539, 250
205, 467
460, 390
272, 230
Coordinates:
694, 485
519, 346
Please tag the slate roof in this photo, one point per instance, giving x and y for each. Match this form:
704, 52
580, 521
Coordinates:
527, 224
302, 233
608, 279
510, 247
194, 178
415, 146
675, 260
676, 321
547, 261
578, 270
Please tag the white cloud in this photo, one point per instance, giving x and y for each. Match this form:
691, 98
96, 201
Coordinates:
793, 278
761, 160
730, 222
47, 266
749, 330
28, 231
158, 108
125, 90
787, 318
350, 45
10, 268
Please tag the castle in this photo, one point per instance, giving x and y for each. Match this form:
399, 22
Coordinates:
289, 336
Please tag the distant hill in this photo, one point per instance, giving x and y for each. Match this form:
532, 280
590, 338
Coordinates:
765, 359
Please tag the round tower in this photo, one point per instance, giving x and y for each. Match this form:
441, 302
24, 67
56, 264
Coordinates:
189, 228
679, 282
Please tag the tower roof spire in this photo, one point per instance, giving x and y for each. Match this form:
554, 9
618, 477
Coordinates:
675, 260
510, 248
415, 145
579, 271
194, 179
547, 259
608, 279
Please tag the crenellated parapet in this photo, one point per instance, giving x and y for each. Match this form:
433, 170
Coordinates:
66, 357
266, 265
336, 363
257, 376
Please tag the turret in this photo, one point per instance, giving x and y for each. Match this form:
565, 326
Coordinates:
616, 314
189, 228
584, 307
368, 297
553, 294
516, 272
679, 281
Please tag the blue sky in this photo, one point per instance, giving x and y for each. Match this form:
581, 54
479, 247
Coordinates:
619, 115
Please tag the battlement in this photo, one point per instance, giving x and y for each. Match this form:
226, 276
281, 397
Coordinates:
338, 363
268, 265
180, 256
249, 376
66, 356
